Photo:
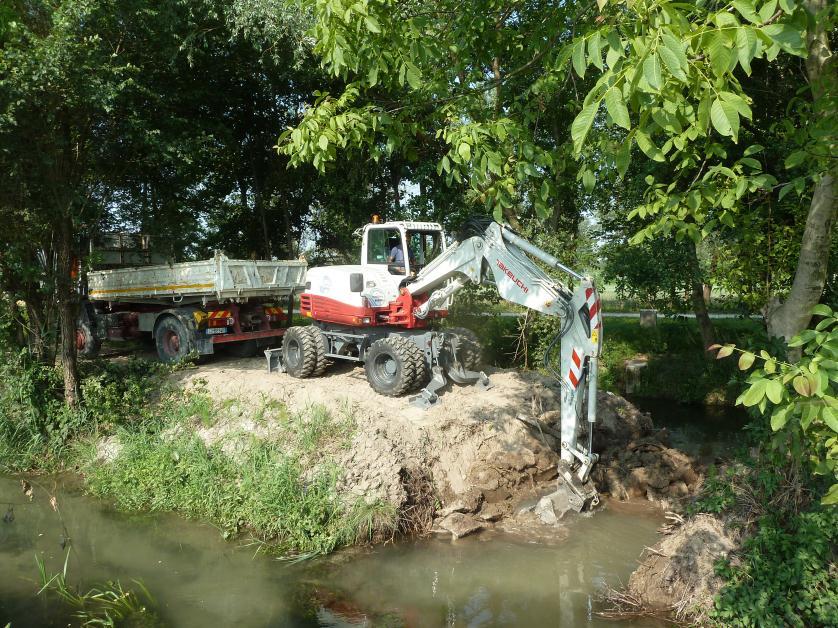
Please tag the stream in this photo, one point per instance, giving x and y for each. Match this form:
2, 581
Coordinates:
198, 579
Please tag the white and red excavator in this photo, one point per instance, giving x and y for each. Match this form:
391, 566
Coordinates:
381, 313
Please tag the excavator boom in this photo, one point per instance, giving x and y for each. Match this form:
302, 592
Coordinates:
501, 257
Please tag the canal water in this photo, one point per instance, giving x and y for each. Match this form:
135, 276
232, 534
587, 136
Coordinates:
198, 579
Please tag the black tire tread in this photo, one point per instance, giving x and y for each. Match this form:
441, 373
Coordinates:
470, 349
400, 348
421, 368
321, 346
309, 351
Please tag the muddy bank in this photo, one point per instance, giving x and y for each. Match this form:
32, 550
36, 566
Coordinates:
465, 465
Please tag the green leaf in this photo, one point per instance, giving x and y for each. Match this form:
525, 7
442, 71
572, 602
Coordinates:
746, 47
737, 101
372, 24
725, 118
787, 37
801, 385
774, 391
770, 366
720, 55
588, 180
648, 147
724, 352
464, 151
413, 76
652, 71
780, 417
579, 57
582, 124
676, 47
755, 393
746, 9
595, 50
670, 60
323, 142
830, 418
831, 496
822, 310
746, 360
617, 107
622, 157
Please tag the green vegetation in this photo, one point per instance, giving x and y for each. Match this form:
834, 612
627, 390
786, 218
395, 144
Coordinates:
282, 491
107, 605
678, 368
799, 400
38, 427
784, 572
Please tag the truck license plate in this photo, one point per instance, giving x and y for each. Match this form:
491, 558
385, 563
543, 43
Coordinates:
216, 330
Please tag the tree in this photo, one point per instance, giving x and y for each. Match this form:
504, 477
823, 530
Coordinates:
654, 77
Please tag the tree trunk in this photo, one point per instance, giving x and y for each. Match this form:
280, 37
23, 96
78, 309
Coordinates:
791, 317
702, 316
66, 297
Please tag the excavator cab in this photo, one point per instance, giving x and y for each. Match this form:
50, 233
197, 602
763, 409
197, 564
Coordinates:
403, 247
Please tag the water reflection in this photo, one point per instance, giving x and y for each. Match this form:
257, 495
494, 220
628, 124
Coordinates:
200, 580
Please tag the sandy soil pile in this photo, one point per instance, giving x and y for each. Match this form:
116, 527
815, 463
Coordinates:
467, 462
677, 574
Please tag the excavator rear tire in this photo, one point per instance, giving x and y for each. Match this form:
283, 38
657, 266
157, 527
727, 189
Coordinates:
390, 366
299, 352
469, 351
321, 346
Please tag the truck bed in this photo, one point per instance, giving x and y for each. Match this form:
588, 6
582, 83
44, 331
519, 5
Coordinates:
217, 279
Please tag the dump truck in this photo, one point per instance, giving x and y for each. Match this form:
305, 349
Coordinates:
187, 308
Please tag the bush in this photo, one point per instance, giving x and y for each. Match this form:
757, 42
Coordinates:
38, 426
785, 574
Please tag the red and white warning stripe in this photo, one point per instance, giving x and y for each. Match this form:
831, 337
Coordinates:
593, 307
574, 373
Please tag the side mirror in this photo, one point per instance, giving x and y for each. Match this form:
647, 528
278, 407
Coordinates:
356, 282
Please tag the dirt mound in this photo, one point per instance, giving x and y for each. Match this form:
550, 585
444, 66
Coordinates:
469, 461
477, 453
678, 573
635, 459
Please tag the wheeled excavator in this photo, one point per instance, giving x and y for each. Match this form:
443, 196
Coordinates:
381, 313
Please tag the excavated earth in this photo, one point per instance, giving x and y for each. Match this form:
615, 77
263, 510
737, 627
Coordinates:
473, 461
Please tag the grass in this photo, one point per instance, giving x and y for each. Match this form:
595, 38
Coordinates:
281, 491
106, 605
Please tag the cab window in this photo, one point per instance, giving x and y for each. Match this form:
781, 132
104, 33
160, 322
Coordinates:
384, 246
424, 246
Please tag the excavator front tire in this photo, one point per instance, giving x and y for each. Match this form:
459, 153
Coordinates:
299, 352
390, 365
321, 346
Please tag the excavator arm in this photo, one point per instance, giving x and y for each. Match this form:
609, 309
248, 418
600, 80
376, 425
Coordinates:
501, 257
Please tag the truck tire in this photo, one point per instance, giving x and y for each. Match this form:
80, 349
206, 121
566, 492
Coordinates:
87, 342
469, 349
321, 347
173, 339
299, 352
390, 366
